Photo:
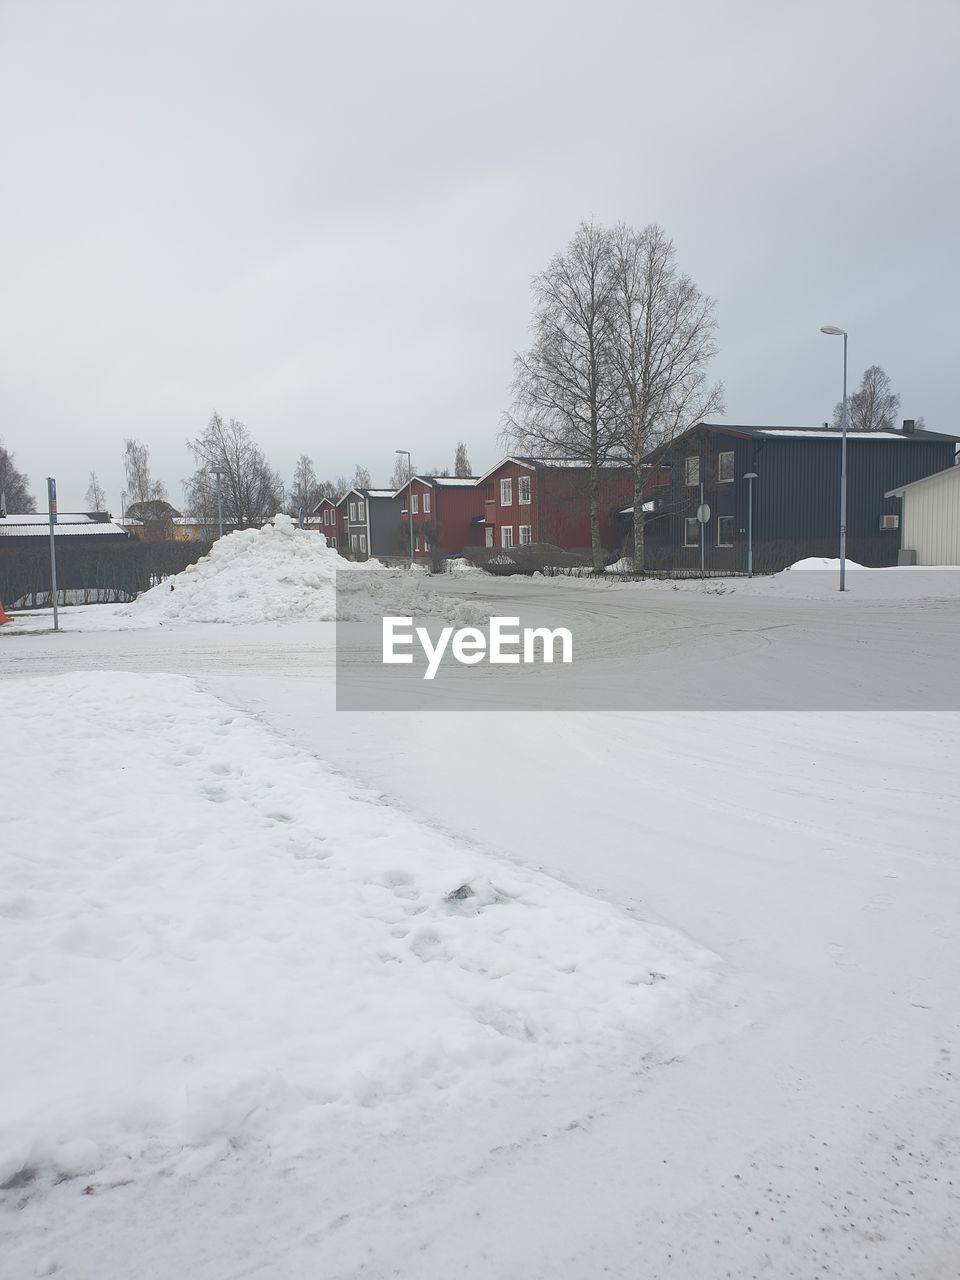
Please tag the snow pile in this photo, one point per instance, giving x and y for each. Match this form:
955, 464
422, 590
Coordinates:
278, 969
822, 563
281, 572
623, 565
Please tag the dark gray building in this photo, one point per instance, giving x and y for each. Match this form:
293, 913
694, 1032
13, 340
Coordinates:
796, 494
368, 524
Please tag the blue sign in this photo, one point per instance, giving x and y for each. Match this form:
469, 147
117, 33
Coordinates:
52, 498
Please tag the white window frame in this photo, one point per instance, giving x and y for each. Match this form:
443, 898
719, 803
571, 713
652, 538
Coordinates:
354, 542
363, 543
506, 492
721, 478
691, 465
414, 503
353, 513
528, 530
361, 511
506, 535
523, 487
426, 504
733, 531
688, 520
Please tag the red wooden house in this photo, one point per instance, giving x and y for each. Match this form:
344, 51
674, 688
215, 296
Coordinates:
444, 512
526, 500
323, 520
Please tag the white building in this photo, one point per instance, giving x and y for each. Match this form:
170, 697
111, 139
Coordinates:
930, 518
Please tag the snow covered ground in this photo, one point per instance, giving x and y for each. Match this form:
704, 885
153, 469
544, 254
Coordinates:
787, 1106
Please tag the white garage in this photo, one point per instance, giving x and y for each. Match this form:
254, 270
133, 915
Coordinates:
930, 518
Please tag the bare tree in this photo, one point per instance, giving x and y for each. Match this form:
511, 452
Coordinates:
461, 463
361, 478
663, 338
252, 491
96, 498
15, 492
400, 474
566, 388
305, 492
874, 406
140, 485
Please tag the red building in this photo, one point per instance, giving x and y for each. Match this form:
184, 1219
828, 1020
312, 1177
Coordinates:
323, 520
527, 500
444, 511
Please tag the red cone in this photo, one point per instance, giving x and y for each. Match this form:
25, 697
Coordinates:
3, 616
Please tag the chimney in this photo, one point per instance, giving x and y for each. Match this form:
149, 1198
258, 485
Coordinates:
909, 426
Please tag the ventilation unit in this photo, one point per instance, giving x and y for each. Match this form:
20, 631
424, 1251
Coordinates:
889, 522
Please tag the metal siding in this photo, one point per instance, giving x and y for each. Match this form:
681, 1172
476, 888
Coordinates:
930, 520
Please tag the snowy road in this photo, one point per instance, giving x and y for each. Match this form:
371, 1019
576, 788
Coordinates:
815, 853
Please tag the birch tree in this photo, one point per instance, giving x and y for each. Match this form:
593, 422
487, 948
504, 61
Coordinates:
566, 387
461, 463
96, 498
14, 486
874, 406
252, 491
663, 336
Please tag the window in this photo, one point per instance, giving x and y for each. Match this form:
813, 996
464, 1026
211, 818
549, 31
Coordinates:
523, 492
414, 503
691, 532
506, 533
426, 504
488, 492
725, 531
353, 512
363, 542
691, 470
326, 515
506, 493
361, 511
354, 542
525, 531
725, 466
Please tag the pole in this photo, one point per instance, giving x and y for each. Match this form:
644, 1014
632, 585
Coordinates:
750, 527
52, 512
218, 474
703, 539
406, 453
843, 477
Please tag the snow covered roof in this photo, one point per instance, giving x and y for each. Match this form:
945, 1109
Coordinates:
823, 433
548, 464
36, 525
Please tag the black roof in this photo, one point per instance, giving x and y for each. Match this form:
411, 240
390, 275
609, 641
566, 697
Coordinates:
766, 432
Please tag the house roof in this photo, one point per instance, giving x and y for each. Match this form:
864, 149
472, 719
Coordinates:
937, 475
765, 431
366, 493
440, 482
550, 464
36, 525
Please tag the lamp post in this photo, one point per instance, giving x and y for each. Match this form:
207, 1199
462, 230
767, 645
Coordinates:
750, 477
406, 453
218, 473
832, 331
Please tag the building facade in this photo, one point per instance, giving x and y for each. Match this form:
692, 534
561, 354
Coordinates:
795, 495
930, 519
368, 524
443, 510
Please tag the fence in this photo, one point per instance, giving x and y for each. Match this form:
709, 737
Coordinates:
108, 572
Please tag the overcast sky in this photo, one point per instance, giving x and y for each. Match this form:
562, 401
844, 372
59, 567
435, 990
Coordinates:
323, 218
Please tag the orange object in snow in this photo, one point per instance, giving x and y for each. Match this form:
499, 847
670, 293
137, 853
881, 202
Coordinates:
3, 616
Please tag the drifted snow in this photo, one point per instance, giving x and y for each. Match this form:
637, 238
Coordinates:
215, 950
281, 572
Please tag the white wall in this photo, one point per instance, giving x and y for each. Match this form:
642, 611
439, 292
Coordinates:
930, 519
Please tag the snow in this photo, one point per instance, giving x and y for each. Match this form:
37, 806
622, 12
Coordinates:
823, 563
279, 573
797, 1116
216, 950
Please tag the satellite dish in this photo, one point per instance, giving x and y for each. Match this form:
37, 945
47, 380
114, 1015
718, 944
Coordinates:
703, 513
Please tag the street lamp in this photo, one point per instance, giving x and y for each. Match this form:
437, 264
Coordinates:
832, 331
217, 471
750, 477
406, 453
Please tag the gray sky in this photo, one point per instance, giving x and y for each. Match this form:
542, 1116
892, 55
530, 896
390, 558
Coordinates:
323, 219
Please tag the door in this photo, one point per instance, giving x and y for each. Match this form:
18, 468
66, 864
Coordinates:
488, 535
